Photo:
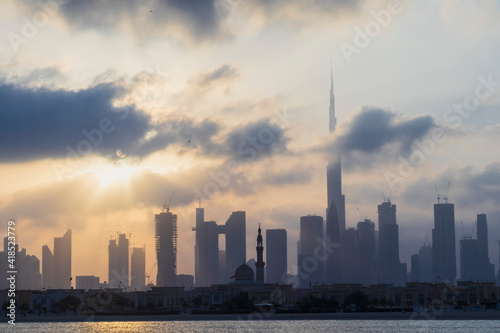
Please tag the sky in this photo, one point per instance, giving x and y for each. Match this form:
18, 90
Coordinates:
108, 109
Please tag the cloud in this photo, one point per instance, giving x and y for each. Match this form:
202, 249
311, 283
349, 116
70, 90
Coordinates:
203, 82
296, 175
192, 21
256, 140
40, 123
374, 128
469, 188
376, 135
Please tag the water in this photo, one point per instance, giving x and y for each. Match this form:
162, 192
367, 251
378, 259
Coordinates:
270, 326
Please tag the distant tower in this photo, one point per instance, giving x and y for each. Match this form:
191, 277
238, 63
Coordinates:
486, 268
276, 256
118, 268
166, 247
138, 268
311, 235
259, 264
443, 243
390, 269
335, 211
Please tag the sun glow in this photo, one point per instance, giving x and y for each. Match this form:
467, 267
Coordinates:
114, 173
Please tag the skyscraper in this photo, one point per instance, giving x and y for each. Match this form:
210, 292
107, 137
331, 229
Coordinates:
48, 278
138, 268
118, 267
309, 247
335, 211
235, 231
206, 251
425, 261
486, 268
276, 256
166, 247
57, 266
27, 267
212, 265
390, 268
469, 265
259, 264
443, 243
366, 272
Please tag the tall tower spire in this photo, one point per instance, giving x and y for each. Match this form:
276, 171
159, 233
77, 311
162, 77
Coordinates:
335, 211
259, 264
333, 119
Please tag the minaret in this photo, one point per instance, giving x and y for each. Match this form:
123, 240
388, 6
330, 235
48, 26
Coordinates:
259, 264
335, 211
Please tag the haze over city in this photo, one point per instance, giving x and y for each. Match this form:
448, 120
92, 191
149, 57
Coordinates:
109, 110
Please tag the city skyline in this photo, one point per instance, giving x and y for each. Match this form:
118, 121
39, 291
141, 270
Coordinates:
185, 100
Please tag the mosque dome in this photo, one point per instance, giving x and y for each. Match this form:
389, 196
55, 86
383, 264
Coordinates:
244, 273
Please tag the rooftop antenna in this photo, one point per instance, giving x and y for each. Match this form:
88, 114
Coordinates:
383, 195
447, 191
439, 197
463, 232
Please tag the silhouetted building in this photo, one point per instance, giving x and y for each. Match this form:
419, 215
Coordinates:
58, 265
209, 267
310, 251
48, 280
390, 268
443, 243
366, 272
87, 282
425, 261
469, 265
259, 264
486, 268
335, 212
138, 268
27, 268
235, 231
118, 268
276, 256
166, 248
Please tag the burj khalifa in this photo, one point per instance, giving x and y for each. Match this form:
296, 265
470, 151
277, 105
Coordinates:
335, 212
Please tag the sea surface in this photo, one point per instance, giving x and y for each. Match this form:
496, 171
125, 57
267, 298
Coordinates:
268, 326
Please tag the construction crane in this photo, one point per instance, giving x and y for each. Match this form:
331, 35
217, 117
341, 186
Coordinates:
148, 276
447, 191
439, 197
166, 207
362, 217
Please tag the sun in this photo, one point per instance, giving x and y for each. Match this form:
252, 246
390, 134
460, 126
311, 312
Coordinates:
114, 173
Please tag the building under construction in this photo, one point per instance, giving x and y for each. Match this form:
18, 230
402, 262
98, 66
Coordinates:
166, 247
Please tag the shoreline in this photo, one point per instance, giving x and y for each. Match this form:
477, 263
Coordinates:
454, 315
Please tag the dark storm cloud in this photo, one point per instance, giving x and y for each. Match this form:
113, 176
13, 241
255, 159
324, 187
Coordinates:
256, 140
42, 123
374, 128
39, 123
200, 19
